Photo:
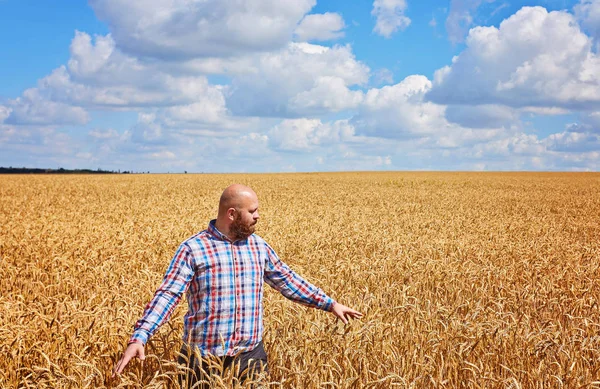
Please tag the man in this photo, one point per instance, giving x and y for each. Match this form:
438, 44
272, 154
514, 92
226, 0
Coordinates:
222, 269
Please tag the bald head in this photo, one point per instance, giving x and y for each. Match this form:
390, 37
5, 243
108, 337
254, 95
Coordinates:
235, 196
238, 212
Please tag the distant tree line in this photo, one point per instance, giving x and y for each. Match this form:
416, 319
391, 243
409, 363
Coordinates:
24, 170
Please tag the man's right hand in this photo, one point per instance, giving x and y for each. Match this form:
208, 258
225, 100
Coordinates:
134, 349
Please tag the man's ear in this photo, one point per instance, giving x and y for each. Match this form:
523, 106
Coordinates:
231, 214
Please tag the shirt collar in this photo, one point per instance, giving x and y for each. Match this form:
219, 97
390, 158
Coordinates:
212, 229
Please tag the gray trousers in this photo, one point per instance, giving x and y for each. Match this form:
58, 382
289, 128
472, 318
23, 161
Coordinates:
246, 365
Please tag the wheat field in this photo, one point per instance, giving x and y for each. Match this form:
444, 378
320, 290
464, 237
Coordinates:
466, 280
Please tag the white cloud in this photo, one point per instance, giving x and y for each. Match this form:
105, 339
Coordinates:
398, 111
519, 144
328, 94
34, 108
249, 152
166, 91
89, 57
569, 141
300, 79
320, 27
401, 113
100, 76
588, 14
305, 134
534, 58
158, 89
200, 28
43, 143
567, 150
148, 130
389, 16
163, 155
4, 113
286, 83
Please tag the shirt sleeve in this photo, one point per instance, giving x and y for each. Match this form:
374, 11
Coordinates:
167, 296
283, 279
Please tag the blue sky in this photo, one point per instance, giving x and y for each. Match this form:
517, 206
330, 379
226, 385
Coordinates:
269, 86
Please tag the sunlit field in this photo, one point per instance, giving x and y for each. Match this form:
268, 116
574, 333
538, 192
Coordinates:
466, 280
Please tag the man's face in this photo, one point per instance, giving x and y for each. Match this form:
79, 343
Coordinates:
245, 220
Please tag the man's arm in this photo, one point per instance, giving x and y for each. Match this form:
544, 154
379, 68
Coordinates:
283, 279
159, 309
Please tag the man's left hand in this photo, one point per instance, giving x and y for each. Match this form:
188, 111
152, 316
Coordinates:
344, 313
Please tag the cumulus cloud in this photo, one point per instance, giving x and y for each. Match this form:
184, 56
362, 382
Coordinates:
200, 28
320, 27
588, 14
389, 17
99, 75
98, 60
330, 94
572, 149
399, 111
571, 141
166, 90
89, 57
519, 144
34, 108
288, 82
535, 58
304, 134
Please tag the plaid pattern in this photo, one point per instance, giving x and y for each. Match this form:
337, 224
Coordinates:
224, 285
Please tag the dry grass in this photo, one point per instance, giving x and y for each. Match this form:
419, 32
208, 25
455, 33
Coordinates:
466, 280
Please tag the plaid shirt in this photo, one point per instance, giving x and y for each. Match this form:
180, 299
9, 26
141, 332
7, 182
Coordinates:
224, 285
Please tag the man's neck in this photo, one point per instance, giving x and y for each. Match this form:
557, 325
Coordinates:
223, 228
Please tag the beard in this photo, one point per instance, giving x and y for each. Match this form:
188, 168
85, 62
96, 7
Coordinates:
239, 229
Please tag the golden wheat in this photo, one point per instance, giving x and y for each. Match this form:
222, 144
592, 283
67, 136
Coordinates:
467, 280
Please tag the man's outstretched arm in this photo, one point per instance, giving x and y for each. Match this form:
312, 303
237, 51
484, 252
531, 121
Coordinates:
283, 279
159, 309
